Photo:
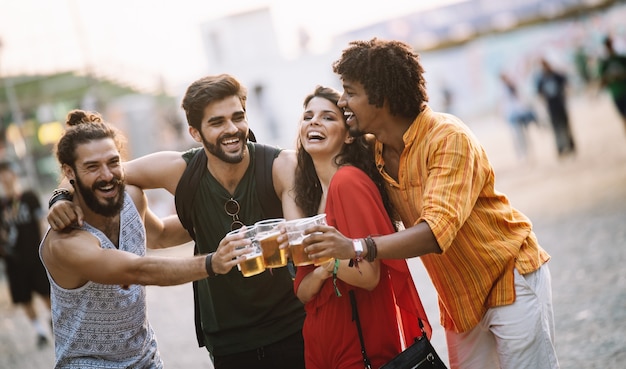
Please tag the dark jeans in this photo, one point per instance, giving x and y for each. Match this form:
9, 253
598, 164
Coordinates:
285, 354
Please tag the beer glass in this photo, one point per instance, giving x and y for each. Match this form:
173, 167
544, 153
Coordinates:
309, 222
253, 263
267, 233
296, 249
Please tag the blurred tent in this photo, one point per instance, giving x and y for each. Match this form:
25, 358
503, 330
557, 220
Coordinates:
33, 109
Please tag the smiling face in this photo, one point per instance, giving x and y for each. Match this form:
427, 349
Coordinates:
323, 131
224, 130
360, 115
98, 176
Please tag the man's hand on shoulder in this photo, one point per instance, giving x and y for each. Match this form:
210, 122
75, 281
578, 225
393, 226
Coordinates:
63, 214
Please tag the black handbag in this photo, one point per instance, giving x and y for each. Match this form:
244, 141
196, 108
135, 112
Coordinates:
420, 355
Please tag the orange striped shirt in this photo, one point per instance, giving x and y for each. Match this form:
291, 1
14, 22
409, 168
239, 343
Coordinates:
446, 180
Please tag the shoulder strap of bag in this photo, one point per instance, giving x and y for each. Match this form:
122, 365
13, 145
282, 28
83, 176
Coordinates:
355, 318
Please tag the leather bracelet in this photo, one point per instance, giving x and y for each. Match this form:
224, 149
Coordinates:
372, 250
60, 194
209, 266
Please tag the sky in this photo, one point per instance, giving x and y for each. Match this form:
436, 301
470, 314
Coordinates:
147, 38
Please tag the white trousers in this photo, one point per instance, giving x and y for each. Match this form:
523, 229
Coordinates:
516, 336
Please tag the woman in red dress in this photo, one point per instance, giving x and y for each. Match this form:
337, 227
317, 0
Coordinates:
336, 175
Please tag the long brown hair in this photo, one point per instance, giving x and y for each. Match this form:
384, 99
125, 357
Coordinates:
358, 154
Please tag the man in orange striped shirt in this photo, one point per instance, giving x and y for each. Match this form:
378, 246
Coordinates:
484, 260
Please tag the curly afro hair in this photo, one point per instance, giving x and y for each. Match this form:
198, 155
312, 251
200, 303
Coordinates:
388, 70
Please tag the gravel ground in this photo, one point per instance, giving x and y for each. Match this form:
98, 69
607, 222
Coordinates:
577, 205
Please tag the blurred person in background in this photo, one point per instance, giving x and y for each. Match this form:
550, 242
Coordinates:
244, 322
612, 73
582, 64
98, 270
336, 176
552, 88
490, 273
448, 99
21, 218
518, 114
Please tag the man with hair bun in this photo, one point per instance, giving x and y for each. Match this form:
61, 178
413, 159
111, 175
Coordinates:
98, 270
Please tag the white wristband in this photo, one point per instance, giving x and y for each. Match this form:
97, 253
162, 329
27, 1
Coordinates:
358, 247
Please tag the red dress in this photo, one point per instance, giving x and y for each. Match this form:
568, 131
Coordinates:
331, 340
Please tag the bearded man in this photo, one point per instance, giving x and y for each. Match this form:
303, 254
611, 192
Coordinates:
98, 270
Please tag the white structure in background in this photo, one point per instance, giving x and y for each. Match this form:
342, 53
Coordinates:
245, 46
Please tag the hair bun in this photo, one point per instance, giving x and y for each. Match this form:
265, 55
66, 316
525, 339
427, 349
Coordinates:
77, 116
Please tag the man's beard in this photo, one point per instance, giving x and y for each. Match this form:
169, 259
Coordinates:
218, 152
112, 205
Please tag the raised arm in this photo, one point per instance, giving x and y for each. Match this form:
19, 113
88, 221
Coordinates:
161, 169
74, 258
415, 241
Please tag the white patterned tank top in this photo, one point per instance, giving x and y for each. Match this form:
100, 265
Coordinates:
106, 326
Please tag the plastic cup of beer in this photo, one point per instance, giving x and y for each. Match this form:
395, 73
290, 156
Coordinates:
296, 249
309, 222
267, 233
253, 263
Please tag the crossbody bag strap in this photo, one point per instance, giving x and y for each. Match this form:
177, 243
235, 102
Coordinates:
355, 318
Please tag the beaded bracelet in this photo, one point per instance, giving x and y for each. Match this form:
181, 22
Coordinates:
335, 270
60, 194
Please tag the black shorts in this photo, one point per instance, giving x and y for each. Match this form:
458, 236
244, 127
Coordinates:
26, 277
285, 354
